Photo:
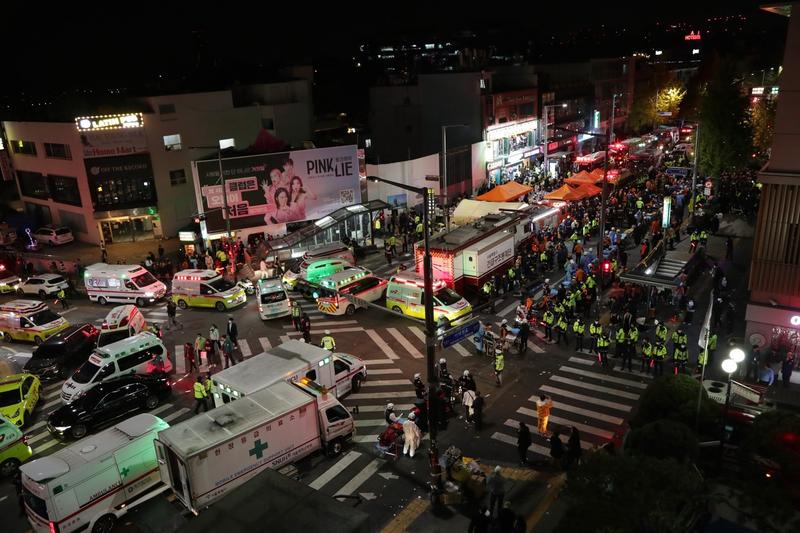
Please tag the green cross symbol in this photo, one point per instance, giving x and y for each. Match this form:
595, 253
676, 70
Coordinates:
125, 471
258, 449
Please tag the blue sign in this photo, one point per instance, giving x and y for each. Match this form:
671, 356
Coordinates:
459, 333
678, 171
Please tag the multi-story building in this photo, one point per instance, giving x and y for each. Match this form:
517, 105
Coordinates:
127, 176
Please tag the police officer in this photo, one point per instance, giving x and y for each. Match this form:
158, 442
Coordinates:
678, 338
659, 355
444, 374
578, 328
703, 237
680, 356
630, 349
632, 338
499, 365
327, 341
595, 330
419, 386
603, 343
647, 355
702, 360
561, 327
297, 314
712, 346
661, 332
548, 318
620, 337
467, 381
62, 297
200, 395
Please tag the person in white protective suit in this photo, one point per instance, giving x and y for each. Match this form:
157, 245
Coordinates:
412, 436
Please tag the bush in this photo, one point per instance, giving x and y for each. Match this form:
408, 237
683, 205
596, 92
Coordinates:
675, 398
663, 439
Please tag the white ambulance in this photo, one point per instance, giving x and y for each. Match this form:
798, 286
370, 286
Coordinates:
273, 301
122, 283
92, 483
120, 323
206, 288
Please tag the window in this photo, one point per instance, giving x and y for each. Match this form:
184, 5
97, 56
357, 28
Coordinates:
120, 192
177, 177
73, 220
38, 212
112, 397
172, 142
337, 413
130, 361
166, 109
205, 289
57, 151
312, 375
339, 367
791, 255
33, 184
26, 386
104, 373
24, 147
64, 189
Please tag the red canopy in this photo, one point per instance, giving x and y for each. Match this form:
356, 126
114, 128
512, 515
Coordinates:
589, 190
505, 193
582, 178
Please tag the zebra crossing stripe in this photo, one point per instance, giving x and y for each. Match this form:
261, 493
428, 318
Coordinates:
51, 403
582, 398
180, 362
515, 424
535, 347
36, 426
534, 448
37, 438
461, 350
335, 470
382, 344
561, 406
580, 361
378, 362
410, 348
322, 331
596, 388
603, 377
398, 407
361, 478
381, 395
176, 414
244, 347
332, 323
265, 344
161, 408
374, 438
383, 371
53, 386
370, 423
285, 338
51, 394
507, 309
46, 446
602, 433
386, 383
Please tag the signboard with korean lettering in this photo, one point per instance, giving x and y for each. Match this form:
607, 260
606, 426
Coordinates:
112, 135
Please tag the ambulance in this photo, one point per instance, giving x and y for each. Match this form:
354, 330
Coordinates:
406, 295
331, 251
131, 284
92, 483
29, 320
205, 288
346, 291
273, 301
14, 448
120, 323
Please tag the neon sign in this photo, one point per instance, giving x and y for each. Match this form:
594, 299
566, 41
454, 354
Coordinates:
109, 122
692, 36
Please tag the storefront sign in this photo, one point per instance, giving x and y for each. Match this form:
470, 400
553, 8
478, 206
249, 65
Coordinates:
692, 36
507, 129
530, 153
494, 165
109, 122
187, 236
666, 213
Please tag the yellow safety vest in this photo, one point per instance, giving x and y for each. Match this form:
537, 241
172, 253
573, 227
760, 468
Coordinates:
328, 343
199, 391
499, 362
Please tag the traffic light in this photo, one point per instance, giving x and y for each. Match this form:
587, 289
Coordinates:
606, 267
382, 216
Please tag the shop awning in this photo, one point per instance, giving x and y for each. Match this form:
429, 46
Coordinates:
506, 192
470, 210
565, 193
582, 178
597, 173
589, 190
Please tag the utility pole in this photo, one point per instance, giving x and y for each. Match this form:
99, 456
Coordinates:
694, 167
225, 213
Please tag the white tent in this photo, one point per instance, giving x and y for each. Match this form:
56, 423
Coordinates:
470, 210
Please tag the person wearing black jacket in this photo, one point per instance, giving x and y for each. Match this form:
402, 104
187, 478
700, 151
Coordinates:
233, 332
477, 408
523, 442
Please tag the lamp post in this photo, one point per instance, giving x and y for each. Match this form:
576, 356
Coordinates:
729, 366
444, 171
430, 333
544, 109
226, 214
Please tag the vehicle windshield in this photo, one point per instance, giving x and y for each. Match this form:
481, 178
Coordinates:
43, 317
106, 338
57, 279
220, 284
9, 398
273, 297
446, 296
143, 280
85, 373
35, 503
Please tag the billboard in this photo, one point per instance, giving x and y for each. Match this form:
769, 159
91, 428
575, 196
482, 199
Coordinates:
112, 135
277, 188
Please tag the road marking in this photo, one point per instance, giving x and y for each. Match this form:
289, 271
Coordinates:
604, 433
156, 314
285, 338
398, 407
65, 311
360, 478
508, 308
335, 470
53, 386
380, 395
382, 371
561, 406
40, 436
51, 403
410, 348
603, 377
51, 394
535, 347
382, 344
360, 439
418, 333
461, 350
176, 414
45, 446
333, 323
372, 422
34, 427
386, 382
378, 361
596, 388
322, 331
244, 347
161, 408
582, 398
515, 424
265, 344
508, 439
580, 361
180, 361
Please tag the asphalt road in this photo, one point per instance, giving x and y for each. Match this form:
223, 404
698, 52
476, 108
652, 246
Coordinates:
594, 400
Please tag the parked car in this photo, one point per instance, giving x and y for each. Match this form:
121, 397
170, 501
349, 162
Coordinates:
63, 352
53, 235
9, 282
107, 402
12, 361
19, 394
44, 285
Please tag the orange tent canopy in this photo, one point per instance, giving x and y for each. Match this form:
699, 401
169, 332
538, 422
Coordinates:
597, 173
565, 193
581, 178
589, 190
505, 193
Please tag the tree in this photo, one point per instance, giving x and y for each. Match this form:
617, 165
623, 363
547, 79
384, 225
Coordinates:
762, 120
632, 493
725, 133
668, 100
663, 439
643, 109
675, 398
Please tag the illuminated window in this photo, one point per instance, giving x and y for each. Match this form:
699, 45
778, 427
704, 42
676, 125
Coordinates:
23, 147
64, 189
172, 142
33, 184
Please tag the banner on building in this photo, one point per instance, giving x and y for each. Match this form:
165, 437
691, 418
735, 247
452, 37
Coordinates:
269, 189
112, 135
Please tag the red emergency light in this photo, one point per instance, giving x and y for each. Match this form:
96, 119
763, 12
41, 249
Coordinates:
606, 267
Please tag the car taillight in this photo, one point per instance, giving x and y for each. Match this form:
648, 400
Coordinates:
25, 440
53, 527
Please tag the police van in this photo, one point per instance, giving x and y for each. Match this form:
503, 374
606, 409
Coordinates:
144, 353
406, 294
122, 283
273, 301
205, 288
92, 483
29, 320
341, 292
120, 323
331, 251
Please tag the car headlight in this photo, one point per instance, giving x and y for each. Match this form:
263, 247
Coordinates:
61, 429
149, 294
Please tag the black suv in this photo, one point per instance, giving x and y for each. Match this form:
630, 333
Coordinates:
107, 402
63, 352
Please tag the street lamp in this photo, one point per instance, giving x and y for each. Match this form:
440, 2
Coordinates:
444, 170
218, 148
564, 106
430, 334
729, 366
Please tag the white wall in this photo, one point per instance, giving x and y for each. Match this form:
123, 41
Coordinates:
478, 165
411, 172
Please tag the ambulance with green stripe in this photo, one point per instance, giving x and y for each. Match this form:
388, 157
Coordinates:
29, 321
205, 288
406, 294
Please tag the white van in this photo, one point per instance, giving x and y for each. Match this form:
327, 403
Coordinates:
143, 353
273, 302
122, 283
92, 483
120, 323
346, 290
206, 288
406, 294
331, 251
